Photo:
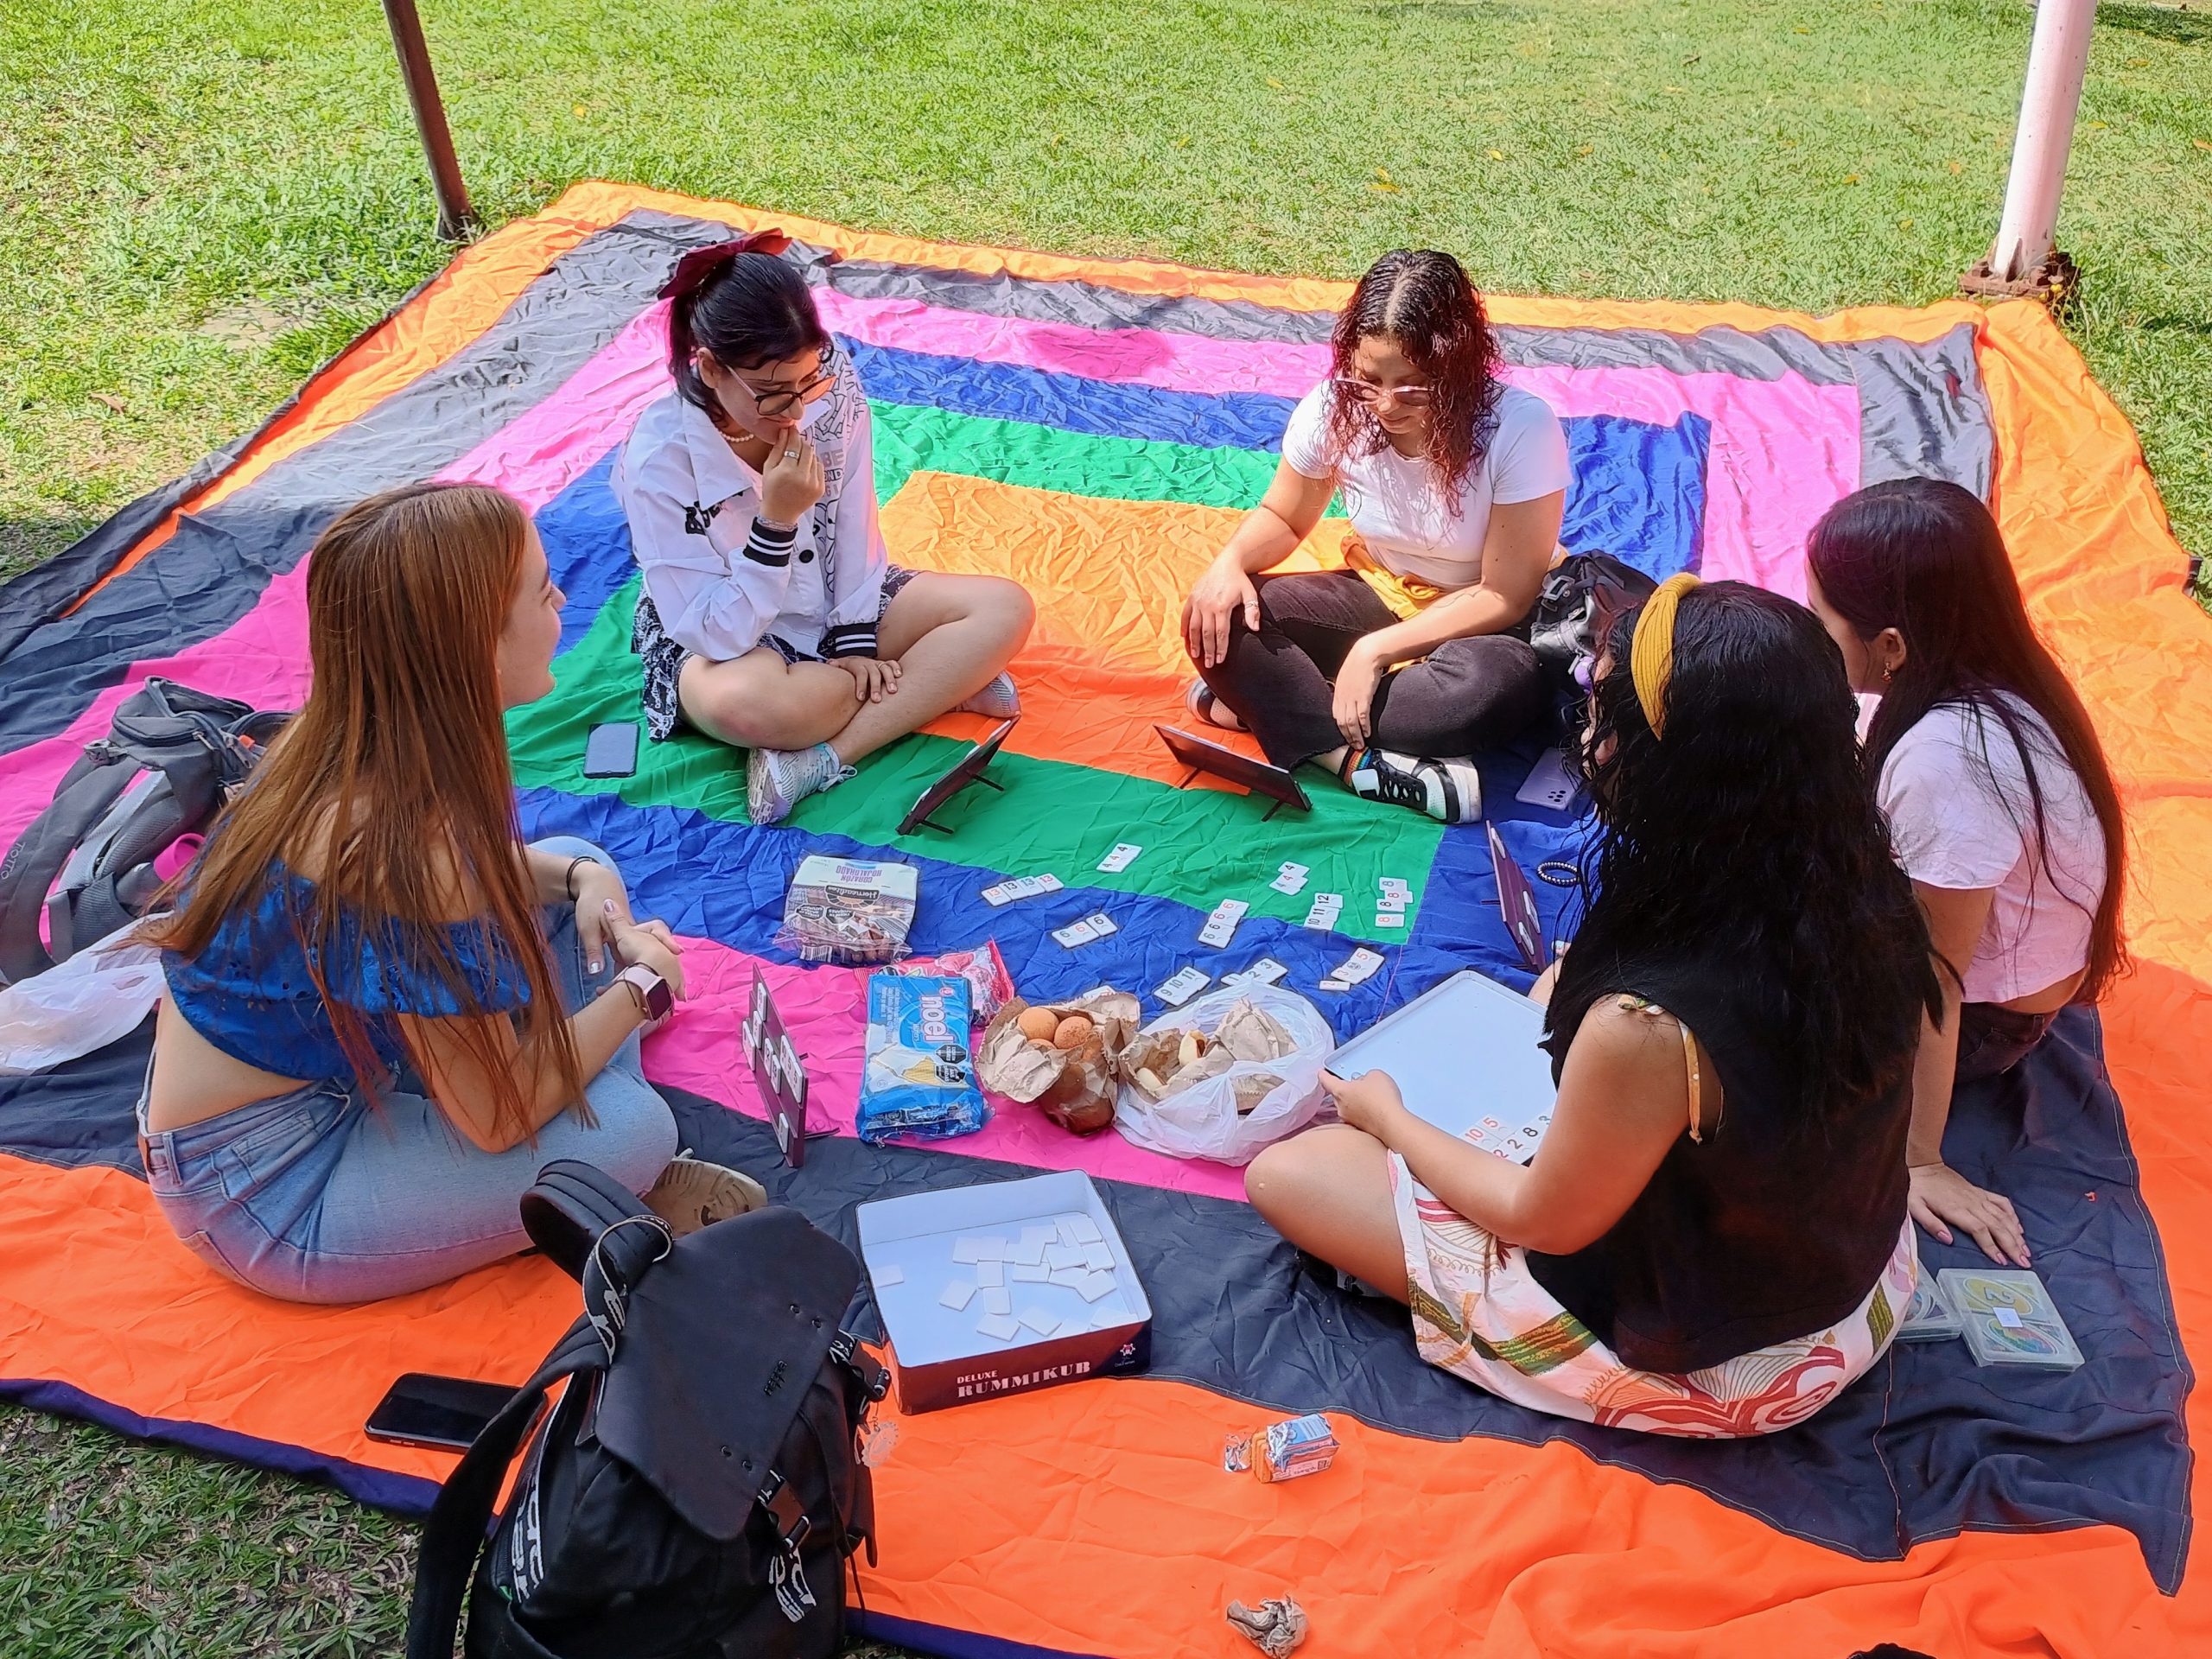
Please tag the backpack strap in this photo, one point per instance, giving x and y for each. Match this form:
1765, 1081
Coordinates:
454, 1535
27, 874
602, 1236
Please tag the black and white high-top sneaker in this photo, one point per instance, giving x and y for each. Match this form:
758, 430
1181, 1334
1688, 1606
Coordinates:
1449, 790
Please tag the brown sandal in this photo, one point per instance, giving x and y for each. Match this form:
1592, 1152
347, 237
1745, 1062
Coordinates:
691, 1194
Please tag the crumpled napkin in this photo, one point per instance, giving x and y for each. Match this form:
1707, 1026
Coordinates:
1275, 1626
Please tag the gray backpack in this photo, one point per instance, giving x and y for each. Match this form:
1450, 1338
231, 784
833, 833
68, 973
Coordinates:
85, 865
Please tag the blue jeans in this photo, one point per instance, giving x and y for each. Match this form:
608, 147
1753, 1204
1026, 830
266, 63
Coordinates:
319, 1196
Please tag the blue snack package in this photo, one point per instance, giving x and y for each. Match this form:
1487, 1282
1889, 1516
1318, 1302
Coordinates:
920, 1081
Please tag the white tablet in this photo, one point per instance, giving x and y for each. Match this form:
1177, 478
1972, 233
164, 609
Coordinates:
1464, 1054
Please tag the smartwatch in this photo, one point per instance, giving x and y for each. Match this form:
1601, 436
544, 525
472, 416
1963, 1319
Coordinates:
655, 1001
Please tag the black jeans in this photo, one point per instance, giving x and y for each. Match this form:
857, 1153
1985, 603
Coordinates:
1993, 1039
1466, 695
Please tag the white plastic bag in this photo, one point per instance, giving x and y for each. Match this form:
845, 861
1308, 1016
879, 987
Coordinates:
79, 1004
1202, 1120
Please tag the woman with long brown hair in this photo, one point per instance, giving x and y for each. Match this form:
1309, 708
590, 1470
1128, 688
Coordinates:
384, 1013
1390, 672
2004, 814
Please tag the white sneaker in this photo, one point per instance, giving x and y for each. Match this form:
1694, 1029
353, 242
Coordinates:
997, 701
776, 780
1201, 702
1449, 791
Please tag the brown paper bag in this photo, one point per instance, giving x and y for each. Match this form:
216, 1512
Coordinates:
1073, 1087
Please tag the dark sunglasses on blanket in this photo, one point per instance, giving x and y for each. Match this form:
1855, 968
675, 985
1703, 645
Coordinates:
1367, 392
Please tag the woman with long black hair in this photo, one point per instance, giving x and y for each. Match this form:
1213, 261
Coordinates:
1712, 1239
2004, 812
1390, 672
772, 616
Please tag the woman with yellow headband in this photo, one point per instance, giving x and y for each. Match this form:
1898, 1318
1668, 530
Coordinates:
1712, 1239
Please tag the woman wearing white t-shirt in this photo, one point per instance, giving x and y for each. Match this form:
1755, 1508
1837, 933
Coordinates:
1392, 671
1999, 801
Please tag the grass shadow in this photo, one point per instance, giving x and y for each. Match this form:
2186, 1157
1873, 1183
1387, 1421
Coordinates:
2160, 22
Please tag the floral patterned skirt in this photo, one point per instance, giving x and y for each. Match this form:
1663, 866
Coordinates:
1480, 1313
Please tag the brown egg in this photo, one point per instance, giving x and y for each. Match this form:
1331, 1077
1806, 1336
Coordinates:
1073, 1031
1039, 1024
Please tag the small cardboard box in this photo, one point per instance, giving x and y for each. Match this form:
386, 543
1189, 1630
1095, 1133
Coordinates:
914, 1247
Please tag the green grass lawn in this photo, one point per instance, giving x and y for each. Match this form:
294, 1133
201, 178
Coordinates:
202, 199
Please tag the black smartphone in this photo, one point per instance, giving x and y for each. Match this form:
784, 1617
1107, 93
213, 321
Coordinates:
444, 1413
610, 751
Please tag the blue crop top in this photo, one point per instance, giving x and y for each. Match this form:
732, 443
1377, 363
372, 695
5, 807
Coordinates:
251, 995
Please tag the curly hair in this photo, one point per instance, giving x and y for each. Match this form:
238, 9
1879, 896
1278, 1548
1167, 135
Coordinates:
1424, 301
1748, 836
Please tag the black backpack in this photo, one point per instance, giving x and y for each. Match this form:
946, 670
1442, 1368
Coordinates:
1581, 593
87, 863
696, 1493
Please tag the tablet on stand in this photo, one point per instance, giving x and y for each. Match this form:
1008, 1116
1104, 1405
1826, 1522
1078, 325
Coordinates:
967, 769
1200, 754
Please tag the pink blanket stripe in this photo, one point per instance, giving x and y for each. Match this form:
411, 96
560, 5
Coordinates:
825, 1011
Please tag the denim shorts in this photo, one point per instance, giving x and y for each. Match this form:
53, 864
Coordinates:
323, 1194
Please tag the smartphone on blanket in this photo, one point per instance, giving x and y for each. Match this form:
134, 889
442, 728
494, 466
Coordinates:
443, 1412
610, 751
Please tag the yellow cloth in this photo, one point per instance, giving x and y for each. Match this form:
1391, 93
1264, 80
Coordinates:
1406, 596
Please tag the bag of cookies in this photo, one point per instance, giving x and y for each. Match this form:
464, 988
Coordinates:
1062, 1057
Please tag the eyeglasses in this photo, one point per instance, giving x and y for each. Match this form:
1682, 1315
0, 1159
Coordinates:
1367, 392
777, 401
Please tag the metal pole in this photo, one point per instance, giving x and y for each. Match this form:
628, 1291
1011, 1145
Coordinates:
455, 217
2058, 59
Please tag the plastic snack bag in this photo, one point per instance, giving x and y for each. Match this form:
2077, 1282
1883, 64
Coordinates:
919, 1081
1282, 1450
849, 910
989, 985
1236, 1070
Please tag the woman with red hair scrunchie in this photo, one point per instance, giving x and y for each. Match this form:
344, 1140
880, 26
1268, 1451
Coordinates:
772, 618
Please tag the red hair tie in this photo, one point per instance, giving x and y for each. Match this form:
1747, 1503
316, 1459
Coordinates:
695, 269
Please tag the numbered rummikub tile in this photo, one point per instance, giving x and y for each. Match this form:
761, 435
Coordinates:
1026, 1249
999, 1327
1124, 854
991, 1273
1183, 986
1099, 1257
1086, 1230
1062, 1256
998, 1299
1037, 1320
1095, 1285
1029, 1272
889, 1274
958, 1295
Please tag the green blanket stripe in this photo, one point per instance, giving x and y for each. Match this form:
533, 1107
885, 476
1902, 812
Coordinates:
909, 438
1200, 845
